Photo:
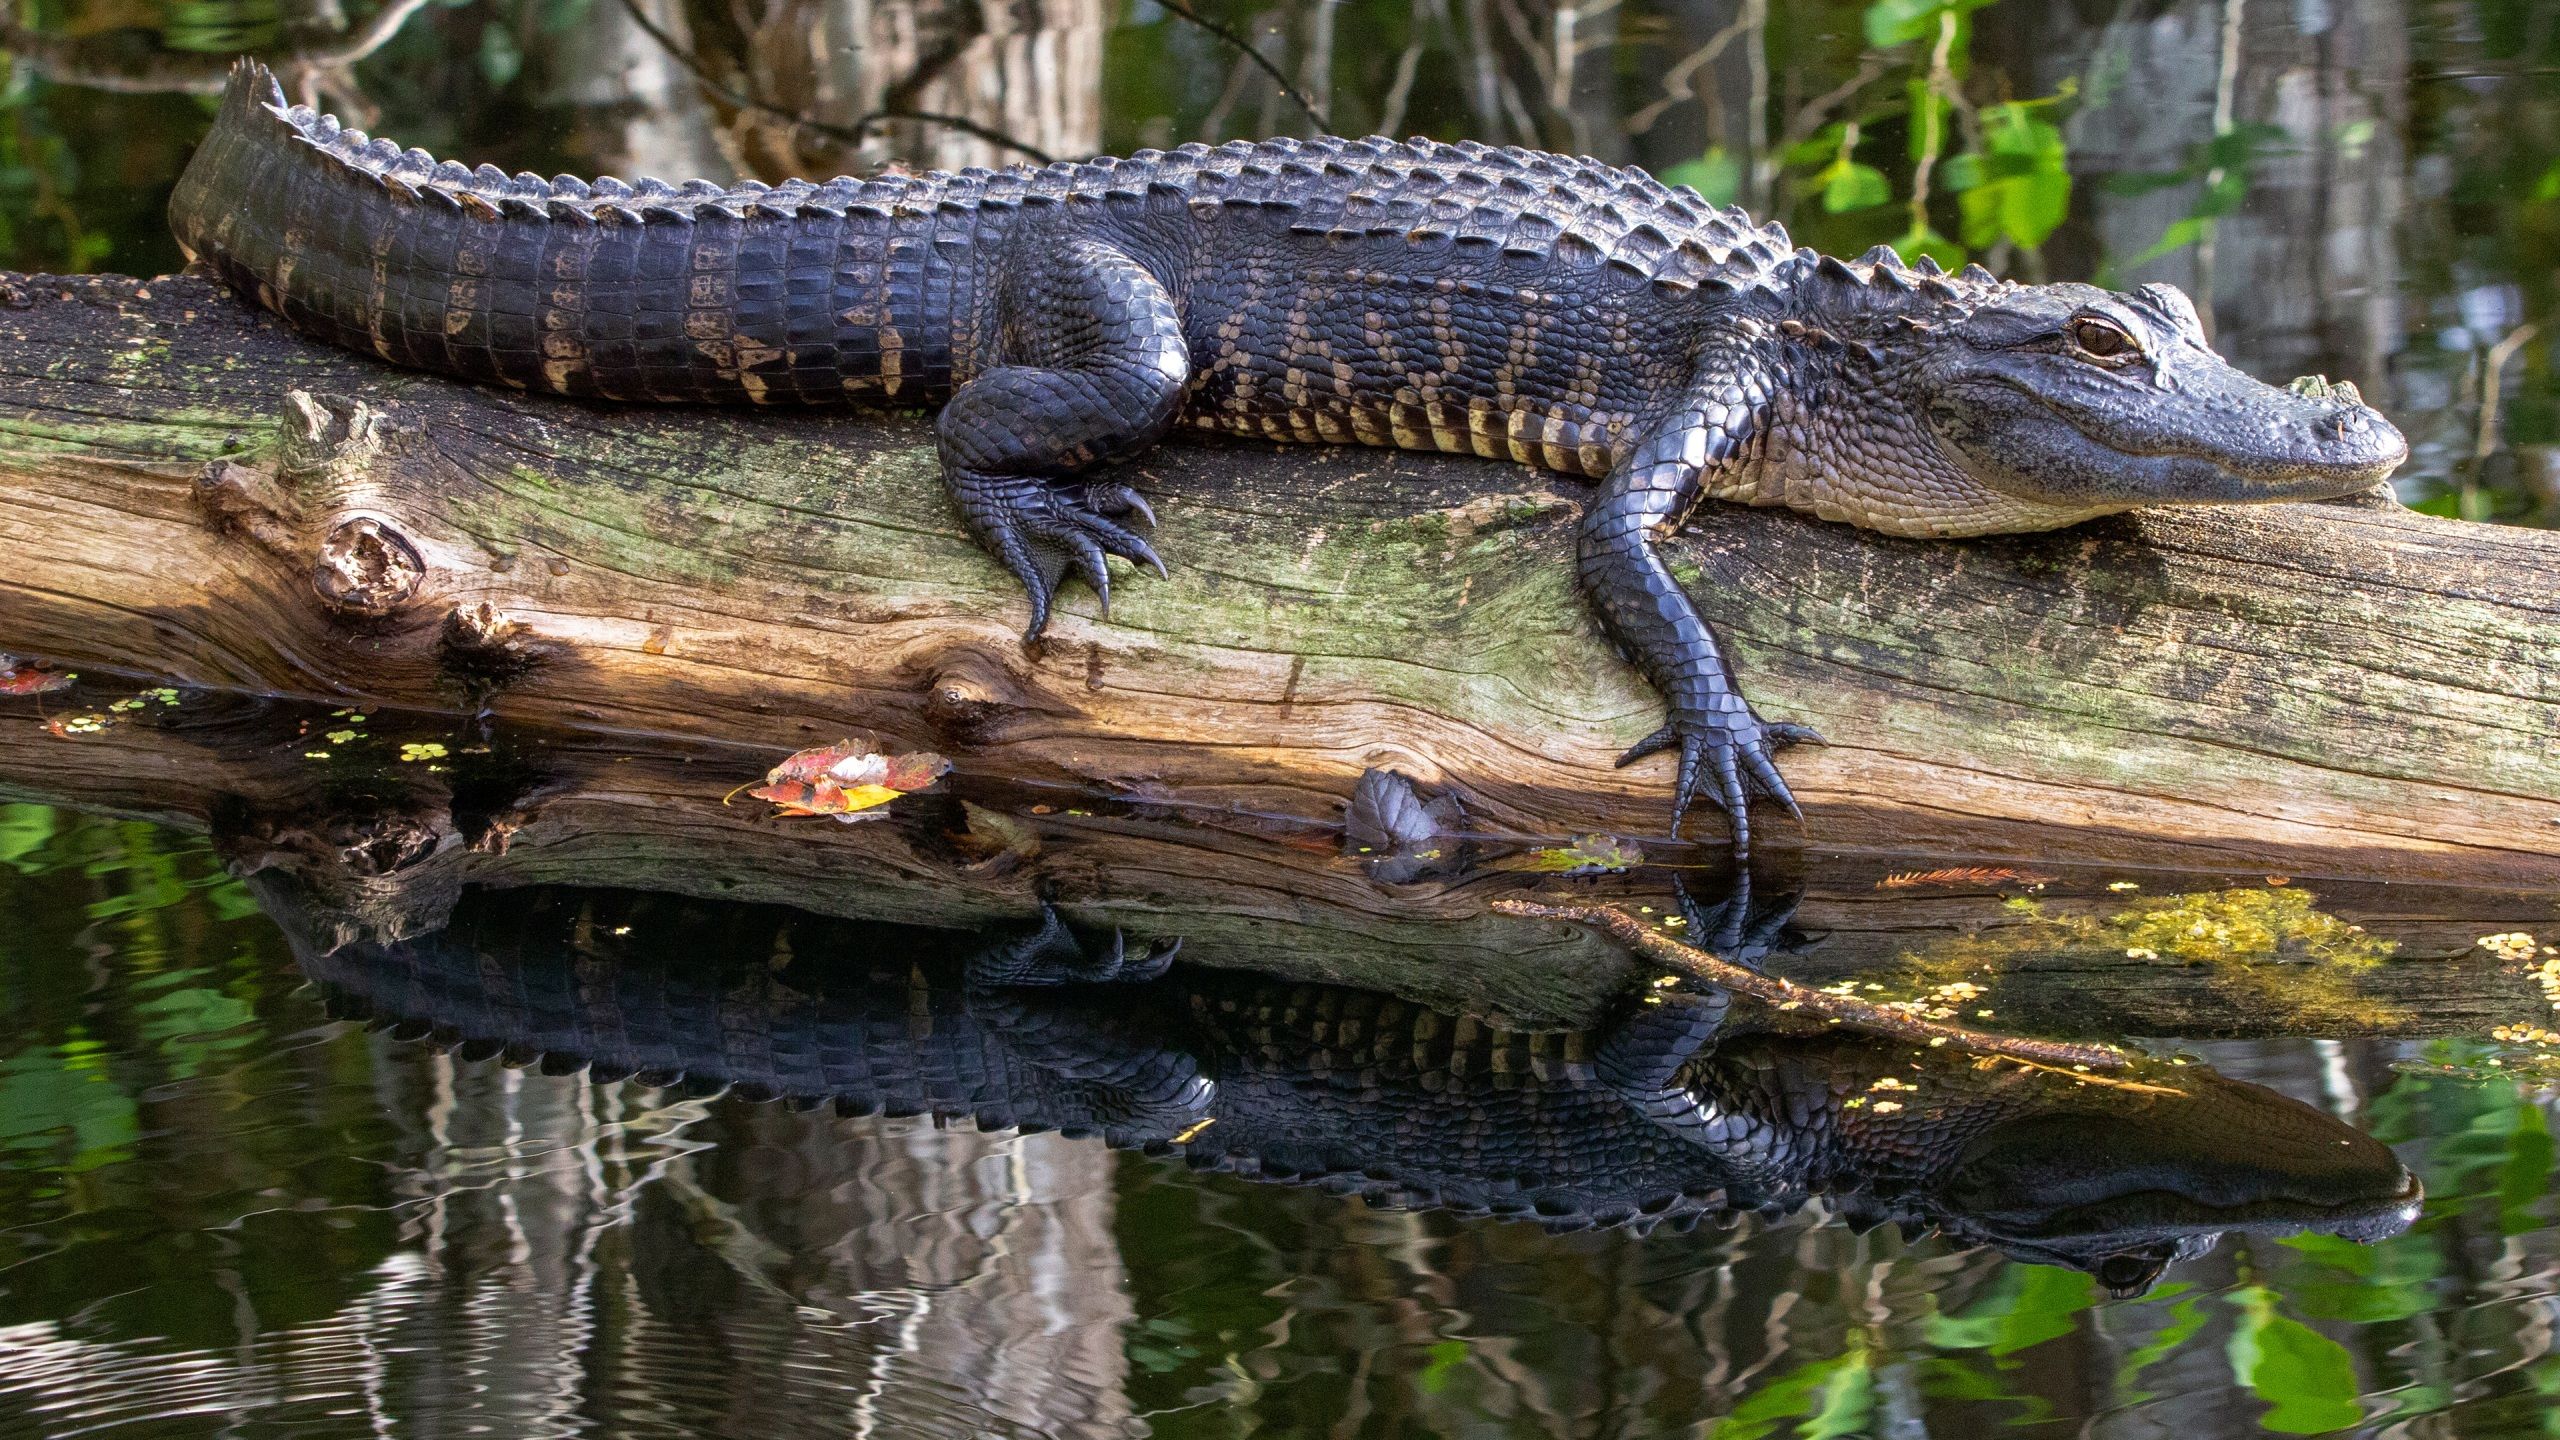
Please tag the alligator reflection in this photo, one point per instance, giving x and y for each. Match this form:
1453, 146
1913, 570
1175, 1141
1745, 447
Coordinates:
1684, 1107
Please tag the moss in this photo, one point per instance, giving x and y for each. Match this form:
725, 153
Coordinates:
2268, 948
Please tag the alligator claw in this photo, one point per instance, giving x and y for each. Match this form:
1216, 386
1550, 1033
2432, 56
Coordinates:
1730, 752
1054, 954
1012, 514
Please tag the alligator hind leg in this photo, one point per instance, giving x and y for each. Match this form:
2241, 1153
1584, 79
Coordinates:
1095, 367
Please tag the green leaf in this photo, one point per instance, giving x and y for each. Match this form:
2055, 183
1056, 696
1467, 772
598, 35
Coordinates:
1898, 22
24, 832
2308, 1378
1848, 1401
1922, 240
2017, 188
1446, 1357
1831, 1391
2185, 1319
1848, 185
2030, 1305
1587, 855
1716, 176
1821, 145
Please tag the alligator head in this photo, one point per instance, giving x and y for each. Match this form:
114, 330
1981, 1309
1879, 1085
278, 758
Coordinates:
2123, 1176
1965, 405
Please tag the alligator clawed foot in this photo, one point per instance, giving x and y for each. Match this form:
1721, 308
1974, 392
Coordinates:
1734, 929
1054, 954
1016, 516
1727, 750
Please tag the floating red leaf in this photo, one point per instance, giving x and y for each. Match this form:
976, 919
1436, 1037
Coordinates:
846, 778
26, 677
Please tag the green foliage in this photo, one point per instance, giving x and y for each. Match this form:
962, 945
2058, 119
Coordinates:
1898, 22
2308, 1378
1831, 1398
2018, 187
2031, 1305
1716, 175
221, 26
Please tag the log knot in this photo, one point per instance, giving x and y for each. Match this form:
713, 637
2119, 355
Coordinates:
485, 647
326, 438
965, 700
366, 569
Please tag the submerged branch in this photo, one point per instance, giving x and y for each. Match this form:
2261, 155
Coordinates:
1839, 1009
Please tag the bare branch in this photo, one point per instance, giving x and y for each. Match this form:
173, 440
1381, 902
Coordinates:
855, 134
1259, 60
1698, 964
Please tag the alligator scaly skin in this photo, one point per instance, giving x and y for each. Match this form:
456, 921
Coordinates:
1504, 303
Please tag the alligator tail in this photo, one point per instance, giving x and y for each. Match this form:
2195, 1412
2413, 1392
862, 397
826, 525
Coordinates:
639, 291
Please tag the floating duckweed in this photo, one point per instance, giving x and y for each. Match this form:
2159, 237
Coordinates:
429, 750
1887, 1107
2267, 947
84, 724
2122, 885
340, 737
2515, 946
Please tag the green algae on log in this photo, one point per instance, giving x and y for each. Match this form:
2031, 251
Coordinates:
187, 489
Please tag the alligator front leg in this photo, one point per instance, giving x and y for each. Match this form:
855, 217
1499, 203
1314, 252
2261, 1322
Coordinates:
1095, 367
1652, 619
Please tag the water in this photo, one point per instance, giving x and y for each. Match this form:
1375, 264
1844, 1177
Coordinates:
233, 1207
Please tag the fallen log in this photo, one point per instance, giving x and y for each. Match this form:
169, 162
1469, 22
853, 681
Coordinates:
371, 825
187, 489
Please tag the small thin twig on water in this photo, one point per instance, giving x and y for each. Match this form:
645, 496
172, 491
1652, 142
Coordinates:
855, 134
1228, 35
1698, 964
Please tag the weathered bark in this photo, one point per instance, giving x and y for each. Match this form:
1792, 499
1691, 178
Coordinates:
187, 489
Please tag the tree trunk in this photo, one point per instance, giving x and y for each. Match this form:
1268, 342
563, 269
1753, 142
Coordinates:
187, 489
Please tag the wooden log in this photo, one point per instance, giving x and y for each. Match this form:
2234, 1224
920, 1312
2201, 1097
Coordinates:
372, 827
188, 489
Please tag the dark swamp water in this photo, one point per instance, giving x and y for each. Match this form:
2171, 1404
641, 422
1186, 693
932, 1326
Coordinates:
459, 1083
366, 1075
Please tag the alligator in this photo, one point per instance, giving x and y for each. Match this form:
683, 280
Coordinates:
1685, 1107
1499, 302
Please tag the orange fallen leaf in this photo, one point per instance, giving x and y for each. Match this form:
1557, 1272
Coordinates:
844, 780
26, 677
1967, 875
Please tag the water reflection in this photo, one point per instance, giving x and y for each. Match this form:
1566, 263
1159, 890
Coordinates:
1677, 1110
226, 1210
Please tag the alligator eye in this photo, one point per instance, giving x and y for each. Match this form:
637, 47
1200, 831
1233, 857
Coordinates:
2127, 1274
2102, 339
